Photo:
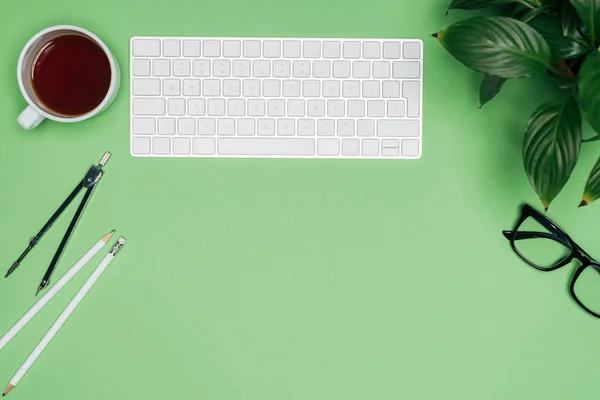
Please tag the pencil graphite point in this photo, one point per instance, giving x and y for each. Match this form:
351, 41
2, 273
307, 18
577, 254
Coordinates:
107, 237
9, 387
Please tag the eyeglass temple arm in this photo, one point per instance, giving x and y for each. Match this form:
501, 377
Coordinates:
536, 235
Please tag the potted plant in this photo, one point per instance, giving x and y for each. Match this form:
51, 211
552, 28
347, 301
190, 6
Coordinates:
555, 39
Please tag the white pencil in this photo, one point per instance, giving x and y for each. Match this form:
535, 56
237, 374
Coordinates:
54, 290
64, 316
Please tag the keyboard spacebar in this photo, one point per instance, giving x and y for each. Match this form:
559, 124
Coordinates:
265, 147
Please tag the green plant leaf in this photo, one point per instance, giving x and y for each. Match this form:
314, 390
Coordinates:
589, 89
592, 139
475, 4
490, 87
569, 19
589, 12
531, 14
591, 192
551, 147
497, 46
562, 47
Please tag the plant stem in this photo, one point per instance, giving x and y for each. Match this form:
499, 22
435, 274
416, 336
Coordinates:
526, 4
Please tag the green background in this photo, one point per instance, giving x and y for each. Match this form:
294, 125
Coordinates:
291, 279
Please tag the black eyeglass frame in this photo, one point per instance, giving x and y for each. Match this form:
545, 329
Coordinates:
557, 234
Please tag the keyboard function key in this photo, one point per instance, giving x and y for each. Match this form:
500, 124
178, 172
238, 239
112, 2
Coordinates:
332, 49
232, 48
146, 48
291, 49
211, 48
271, 49
352, 49
311, 49
391, 50
371, 50
251, 48
411, 50
171, 48
191, 48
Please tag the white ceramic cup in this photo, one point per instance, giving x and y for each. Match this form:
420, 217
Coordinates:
36, 112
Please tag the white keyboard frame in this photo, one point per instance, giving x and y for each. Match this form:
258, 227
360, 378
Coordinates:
315, 137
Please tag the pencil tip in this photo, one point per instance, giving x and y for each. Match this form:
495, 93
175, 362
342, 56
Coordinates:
9, 387
107, 237
12, 268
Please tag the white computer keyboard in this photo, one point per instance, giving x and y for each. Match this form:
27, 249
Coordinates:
276, 98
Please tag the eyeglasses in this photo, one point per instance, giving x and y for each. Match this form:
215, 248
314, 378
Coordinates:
545, 246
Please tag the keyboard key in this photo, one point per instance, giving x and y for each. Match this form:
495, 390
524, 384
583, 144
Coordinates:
204, 146
371, 50
411, 50
206, 126
186, 126
211, 48
181, 146
211, 87
191, 87
291, 88
232, 87
266, 127
221, 68
301, 69
256, 107
216, 107
366, 127
316, 108
341, 69
282, 69
391, 50
361, 69
345, 127
412, 93
166, 126
336, 108
370, 89
271, 88
391, 89
241, 68
370, 147
332, 49
232, 48
251, 48
266, 146
286, 127
141, 67
322, 69
356, 108
306, 127
146, 87
226, 126
176, 107
410, 147
141, 145
171, 87
144, 126
251, 88
350, 147
276, 108
161, 67
351, 49
296, 108
331, 88
397, 128
376, 108
161, 145
196, 107
246, 127
396, 108
202, 68
271, 49
148, 106
261, 68
406, 69
390, 143
311, 49
351, 89
146, 47
381, 69
236, 107
311, 88
326, 127
191, 48
291, 49
171, 48
390, 151
328, 147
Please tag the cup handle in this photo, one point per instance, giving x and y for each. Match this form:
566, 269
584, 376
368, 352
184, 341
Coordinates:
30, 118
